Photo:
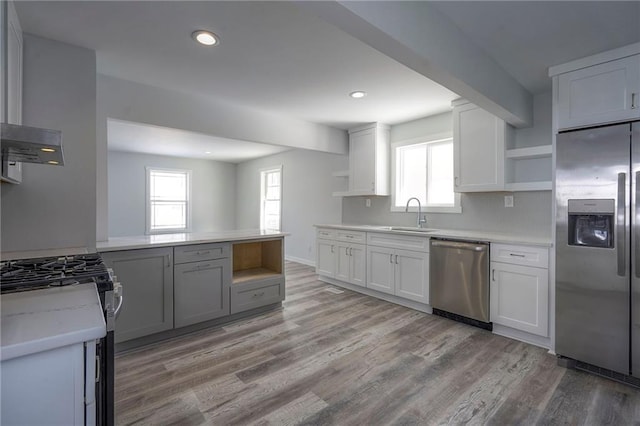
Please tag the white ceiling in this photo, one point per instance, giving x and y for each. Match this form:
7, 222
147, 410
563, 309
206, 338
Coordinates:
144, 138
277, 57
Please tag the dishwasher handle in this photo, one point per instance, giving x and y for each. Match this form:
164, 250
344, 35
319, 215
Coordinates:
460, 245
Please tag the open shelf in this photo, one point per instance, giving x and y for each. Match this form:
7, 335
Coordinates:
530, 153
256, 260
341, 173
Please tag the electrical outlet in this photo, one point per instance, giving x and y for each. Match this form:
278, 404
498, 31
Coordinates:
367, 202
508, 200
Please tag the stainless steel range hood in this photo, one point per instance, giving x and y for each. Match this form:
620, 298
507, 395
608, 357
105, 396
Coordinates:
31, 145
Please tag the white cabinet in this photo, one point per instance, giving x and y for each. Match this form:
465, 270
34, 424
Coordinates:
403, 273
341, 254
478, 148
520, 288
369, 160
350, 263
599, 94
12, 87
325, 257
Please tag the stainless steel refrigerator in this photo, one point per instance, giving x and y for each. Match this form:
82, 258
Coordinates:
598, 247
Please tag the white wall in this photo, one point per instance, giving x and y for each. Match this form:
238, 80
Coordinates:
126, 100
55, 207
531, 214
213, 192
306, 196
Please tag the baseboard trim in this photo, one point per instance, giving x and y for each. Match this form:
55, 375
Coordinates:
379, 295
523, 336
300, 260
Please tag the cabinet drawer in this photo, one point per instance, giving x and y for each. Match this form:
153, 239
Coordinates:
351, 236
325, 233
520, 255
404, 242
198, 252
255, 294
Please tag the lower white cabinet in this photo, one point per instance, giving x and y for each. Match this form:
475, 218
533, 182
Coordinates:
520, 294
350, 263
403, 273
326, 258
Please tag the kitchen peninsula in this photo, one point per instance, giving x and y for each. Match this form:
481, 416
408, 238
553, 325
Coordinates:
177, 283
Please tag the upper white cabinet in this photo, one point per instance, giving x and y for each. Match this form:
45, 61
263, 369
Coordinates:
14, 66
479, 149
368, 160
599, 89
12, 170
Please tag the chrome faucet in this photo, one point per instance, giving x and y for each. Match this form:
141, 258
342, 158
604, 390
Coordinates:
420, 220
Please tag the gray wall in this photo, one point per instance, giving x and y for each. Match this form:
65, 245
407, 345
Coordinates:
213, 192
531, 214
307, 185
130, 101
55, 207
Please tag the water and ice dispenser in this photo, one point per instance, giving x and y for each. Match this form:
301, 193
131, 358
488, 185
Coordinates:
591, 223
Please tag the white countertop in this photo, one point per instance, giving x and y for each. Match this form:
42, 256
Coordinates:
34, 254
40, 320
493, 237
168, 240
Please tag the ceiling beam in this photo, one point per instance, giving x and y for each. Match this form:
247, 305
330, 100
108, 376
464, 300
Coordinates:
417, 35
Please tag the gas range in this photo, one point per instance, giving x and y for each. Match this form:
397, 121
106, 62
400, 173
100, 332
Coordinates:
32, 274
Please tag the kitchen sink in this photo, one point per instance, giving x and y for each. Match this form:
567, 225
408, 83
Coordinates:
412, 229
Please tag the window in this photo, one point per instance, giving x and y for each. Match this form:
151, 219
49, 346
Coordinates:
168, 208
424, 169
271, 199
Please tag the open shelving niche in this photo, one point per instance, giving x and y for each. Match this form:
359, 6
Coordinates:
528, 169
257, 260
341, 183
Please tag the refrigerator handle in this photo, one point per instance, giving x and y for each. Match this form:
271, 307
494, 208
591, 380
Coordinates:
636, 226
621, 221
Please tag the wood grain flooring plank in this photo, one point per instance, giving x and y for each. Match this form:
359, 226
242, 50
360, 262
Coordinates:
350, 359
294, 412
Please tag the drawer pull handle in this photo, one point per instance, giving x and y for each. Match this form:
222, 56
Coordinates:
258, 294
493, 275
516, 255
390, 258
633, 101
200, 253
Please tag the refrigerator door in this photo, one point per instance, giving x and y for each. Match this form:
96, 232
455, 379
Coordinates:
593, 282
635, 250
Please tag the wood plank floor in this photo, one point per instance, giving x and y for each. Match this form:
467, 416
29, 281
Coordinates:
349, 359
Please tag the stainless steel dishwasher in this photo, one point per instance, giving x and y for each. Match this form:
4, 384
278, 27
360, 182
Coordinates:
459, 280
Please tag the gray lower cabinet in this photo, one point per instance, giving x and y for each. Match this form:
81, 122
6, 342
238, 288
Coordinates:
201, 290
147, 279
254, 294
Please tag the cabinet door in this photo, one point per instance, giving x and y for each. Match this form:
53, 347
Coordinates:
201, 291
325, 258
14, 66
343, 262
520, 297
362, 158
147, 280
357, 266
412, 275
381, 269
478, 145
600, 94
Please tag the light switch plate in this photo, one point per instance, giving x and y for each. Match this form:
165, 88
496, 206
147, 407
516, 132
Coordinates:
508, 200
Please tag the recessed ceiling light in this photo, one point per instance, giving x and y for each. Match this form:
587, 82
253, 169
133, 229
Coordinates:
358, 94
47, 150
205, 37
52, 162
207, 152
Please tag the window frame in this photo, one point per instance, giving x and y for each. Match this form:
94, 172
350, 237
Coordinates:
432, 139
263, 173
148, 203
